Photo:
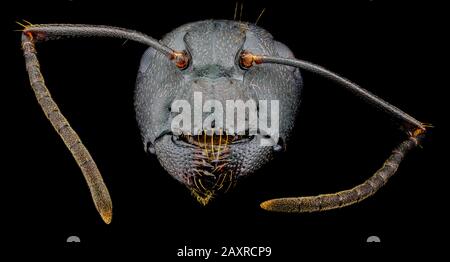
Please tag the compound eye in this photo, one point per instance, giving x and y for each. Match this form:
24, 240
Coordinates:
246, 59
181, 59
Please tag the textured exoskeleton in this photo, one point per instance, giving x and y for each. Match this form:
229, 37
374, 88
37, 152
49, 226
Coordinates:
214, 70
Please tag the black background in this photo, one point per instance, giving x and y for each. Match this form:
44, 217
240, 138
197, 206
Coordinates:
339, 141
